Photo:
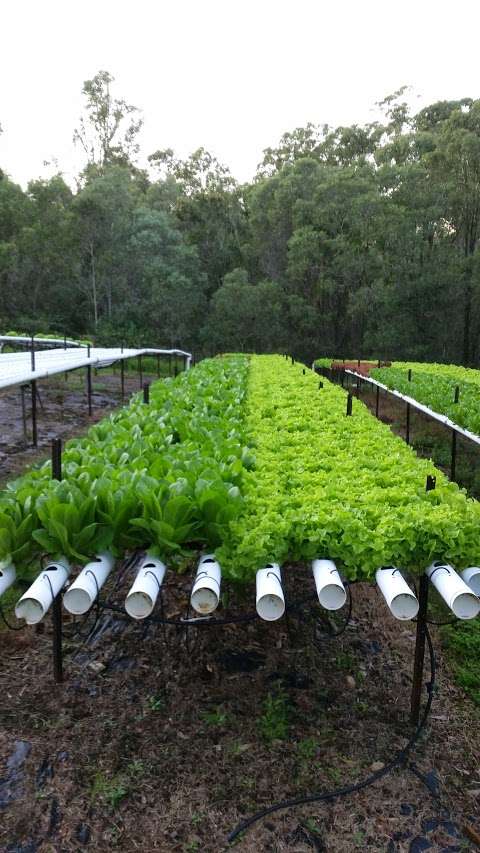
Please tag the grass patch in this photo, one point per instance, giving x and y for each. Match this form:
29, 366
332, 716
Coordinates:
462, 643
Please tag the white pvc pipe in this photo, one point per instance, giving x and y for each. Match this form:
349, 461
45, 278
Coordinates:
7, 578
80, 596
206, 588
454, 591
142, 596
471, 577
38, 598
397, 593
330, 589
270, 599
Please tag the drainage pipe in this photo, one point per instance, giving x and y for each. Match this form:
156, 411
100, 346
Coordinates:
270, 599
330, 589
454, 591
143, 595
37, 600
80, 596
206, 588
396, 592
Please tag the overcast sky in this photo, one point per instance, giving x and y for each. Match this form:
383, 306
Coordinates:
231, 75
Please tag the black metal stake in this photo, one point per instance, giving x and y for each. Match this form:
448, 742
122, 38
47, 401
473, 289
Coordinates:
419, 661
349, 403
158, 364
122, 378
57, 605
146, 393
170, 364
140, 370
33, 387
407, 429
377, 401
175, 366
320, 385
89, 389
453, 464
32, 353
457, 394
410, 375
24, 413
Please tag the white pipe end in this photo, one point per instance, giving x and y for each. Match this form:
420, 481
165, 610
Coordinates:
80, 596
459, 597
143, 594
471, 577
270, 599
400, 599
7, 578
205, 595
331, 592
37, 600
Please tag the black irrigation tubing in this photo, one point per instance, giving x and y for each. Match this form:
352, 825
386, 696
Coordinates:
327, 796
198, 621
7, 623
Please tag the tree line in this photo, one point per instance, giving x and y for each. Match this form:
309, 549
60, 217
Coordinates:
349, 241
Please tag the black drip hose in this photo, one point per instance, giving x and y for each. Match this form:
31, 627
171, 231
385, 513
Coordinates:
398, 760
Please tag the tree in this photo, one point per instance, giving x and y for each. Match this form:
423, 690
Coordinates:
109, 129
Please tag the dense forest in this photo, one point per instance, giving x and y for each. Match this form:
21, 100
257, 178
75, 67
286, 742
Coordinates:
360, 240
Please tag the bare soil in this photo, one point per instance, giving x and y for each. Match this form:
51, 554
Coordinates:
158, 743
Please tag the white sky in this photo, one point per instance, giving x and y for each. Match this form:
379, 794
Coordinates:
231, 76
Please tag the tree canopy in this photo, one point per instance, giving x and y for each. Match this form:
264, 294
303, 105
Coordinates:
360, 240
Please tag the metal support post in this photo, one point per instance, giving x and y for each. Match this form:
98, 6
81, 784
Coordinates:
57, 604
140, 370
33, 387
377, 402
158, 364
146, 393
349, 403
407, 429
419, 651
122, 378
89, 389
24, 413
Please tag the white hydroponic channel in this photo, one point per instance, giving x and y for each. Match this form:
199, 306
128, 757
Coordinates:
16, 367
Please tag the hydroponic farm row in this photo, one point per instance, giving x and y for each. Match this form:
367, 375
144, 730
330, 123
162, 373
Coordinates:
447, 389
250, 458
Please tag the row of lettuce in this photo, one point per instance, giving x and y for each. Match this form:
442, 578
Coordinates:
326, 484
164, 474
250, 457
448, 389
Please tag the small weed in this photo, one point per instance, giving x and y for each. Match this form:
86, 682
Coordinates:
310, 824
215, 718
307, 748
156, 703
344, 661
111, 791
333, 773
136, 767
274, 720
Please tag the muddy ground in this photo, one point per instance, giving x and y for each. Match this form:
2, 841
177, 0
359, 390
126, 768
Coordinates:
153, 743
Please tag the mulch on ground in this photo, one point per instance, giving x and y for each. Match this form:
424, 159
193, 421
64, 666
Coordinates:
157, 741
